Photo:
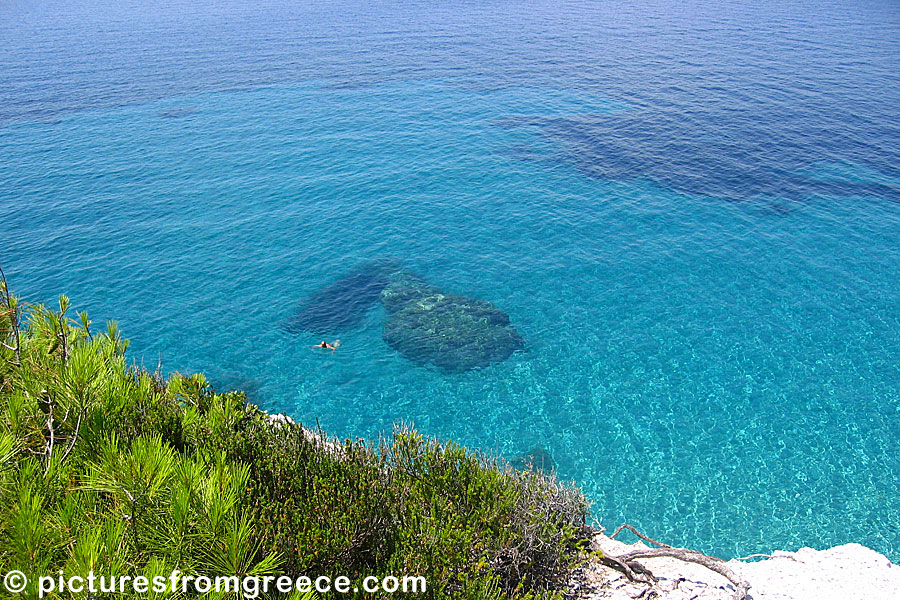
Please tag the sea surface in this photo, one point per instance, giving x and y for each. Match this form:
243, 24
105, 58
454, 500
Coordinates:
690, 211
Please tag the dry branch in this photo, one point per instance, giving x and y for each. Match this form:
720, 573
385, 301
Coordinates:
13, 311
632, 529
625, 562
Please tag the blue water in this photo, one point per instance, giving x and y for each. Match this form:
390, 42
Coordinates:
690, 212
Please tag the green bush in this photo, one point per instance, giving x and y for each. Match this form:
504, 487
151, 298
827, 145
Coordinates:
109, 468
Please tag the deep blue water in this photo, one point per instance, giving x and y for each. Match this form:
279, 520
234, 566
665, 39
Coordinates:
689, 210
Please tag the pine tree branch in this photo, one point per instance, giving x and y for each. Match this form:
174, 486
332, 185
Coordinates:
74, 437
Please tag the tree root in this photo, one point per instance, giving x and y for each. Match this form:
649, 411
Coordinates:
625, 562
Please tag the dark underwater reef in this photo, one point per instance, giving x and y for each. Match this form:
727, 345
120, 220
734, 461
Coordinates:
709, 155
453, 332
343, 305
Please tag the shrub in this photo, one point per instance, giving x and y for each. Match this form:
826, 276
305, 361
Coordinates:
109, 468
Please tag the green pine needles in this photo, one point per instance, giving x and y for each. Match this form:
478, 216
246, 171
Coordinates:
110, 469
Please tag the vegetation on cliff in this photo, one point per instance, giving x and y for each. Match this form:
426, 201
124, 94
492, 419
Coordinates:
108, 468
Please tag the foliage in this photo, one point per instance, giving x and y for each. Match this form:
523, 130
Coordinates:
108, 468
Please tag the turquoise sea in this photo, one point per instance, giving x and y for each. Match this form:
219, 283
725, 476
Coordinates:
689, 210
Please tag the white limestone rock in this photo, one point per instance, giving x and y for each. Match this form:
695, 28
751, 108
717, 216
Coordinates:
848, 572
279, 420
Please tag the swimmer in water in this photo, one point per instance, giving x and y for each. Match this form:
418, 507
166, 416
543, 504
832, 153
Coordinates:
326, 346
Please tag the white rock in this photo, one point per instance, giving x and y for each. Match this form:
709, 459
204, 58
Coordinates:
330, 446
848, 572
279, 420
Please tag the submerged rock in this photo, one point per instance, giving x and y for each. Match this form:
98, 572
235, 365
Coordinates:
343, 304
404, 288
536, 460
453, 332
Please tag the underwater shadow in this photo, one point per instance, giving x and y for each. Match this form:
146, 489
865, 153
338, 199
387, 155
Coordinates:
343, 305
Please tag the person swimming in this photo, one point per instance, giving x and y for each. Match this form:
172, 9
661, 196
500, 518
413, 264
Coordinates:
326, 346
